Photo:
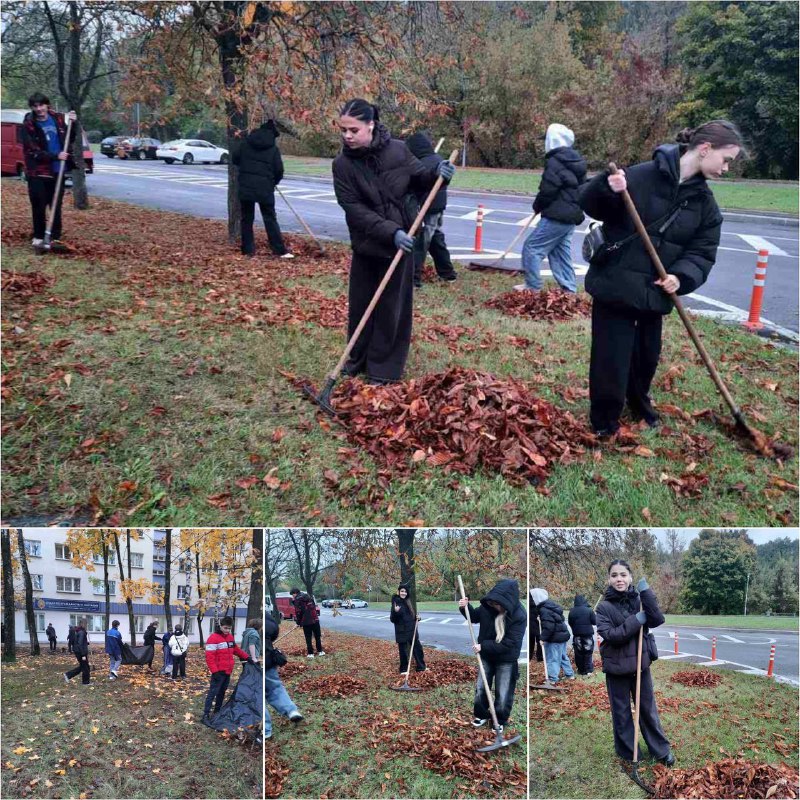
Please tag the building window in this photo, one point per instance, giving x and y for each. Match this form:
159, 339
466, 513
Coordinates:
99, 587
68, 585
63, 552
137, 560
184, 592
158, 570
139, 624
188, 627
95, 623
39, 623
185, 565
33, 549
98, 558
38, 582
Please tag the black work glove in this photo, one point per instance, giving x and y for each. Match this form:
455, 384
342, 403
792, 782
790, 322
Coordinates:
403, 241
446, 170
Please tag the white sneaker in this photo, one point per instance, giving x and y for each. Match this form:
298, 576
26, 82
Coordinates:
477, 722
38, 243
296, 716
310, 655
66, 679
321, 653
521, 287
288, 255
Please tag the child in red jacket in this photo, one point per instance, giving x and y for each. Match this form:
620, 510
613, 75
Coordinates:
221, 647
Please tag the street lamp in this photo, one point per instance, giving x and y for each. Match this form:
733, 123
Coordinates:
746, 588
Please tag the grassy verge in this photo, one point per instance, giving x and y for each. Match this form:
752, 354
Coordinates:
444, 606
139, 736
147, 381
755, 622
572, 754
375, 743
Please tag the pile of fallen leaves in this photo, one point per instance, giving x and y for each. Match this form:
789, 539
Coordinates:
333, 686
731, 778
292, 668
444, 673
552, 305
25, 284
461, 420
697, 677
274, 774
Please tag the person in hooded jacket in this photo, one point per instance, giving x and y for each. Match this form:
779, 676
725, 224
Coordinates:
80, 648
430, 239
375, 179
581, 621
404, 619
555, 635
274, 691
305, 616
167, 670
557, 202
260, 171
502, 622
221, 647
179, 647
150, 635
630, 301
114, 650
622, 613
51, 636
71, 638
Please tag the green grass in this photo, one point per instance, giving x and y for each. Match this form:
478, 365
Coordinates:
781, 198
757, 622
231, 413
447, 606
139, 722
573, 754
346, 747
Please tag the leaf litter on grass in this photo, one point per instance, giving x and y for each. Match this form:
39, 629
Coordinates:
701, 678
551, 305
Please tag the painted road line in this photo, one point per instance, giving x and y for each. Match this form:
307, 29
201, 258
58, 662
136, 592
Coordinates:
730, 638
446, 620
474, 214
759, 243
740, 315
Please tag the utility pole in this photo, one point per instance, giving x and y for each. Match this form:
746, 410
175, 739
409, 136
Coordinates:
138, 124
746, 589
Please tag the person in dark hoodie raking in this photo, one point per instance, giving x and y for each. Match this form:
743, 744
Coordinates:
555, 636
620, 616
430, 239
502, 621
557, 202
403, 618
260, 171
581, 621
629, 299
375, 179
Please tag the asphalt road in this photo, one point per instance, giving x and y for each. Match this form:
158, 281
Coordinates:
442, 631
201, 190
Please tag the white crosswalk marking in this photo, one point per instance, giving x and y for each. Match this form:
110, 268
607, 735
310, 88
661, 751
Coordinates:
730, 638
474, 214
759, 243
700, 636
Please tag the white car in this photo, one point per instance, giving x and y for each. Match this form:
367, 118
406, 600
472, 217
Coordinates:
191, 150
356, 603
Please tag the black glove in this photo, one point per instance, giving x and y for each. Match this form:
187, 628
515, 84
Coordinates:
446, 170
641, 616
642, 585
403, 241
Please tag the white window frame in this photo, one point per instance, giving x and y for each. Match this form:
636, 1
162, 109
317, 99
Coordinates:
99, 587
95, 623
40, 582
40, 626
182, 593
134, 558
97, 558
30, 550
139, 623
73, 582
64, 549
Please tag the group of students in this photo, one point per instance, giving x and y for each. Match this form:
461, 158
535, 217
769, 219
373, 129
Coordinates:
619, 617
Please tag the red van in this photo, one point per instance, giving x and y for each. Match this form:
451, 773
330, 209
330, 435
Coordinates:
285, 606
12, 159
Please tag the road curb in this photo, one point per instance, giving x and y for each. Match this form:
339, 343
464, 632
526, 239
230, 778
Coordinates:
738, 630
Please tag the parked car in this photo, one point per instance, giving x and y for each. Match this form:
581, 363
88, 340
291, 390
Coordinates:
330, 603
139, 148
190, 150
286, 605
12, 159
110, 145
355, 602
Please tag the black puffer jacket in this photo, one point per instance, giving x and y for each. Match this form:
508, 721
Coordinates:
688, 248
564, 172
422, 148
403, 620
150, 635
506, 593
581, 617
554, 629
619, 628
372, 185
260, 165
271, 631
81, 644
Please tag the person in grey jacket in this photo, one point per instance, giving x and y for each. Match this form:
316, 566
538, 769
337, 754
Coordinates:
622, 613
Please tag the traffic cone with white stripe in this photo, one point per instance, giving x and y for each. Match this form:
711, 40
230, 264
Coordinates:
757, 297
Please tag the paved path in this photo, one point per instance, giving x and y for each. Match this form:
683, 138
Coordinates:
201, 190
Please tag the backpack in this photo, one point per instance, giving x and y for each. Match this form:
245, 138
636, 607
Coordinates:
175, 647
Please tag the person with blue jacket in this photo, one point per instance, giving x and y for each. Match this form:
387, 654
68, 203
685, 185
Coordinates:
503, 622
555, 635
114, 650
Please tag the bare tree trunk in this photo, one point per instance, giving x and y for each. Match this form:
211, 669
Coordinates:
128, 600
9, 633
255, 602
200, 612
108, 588
80, 196
168, 579
405, 541
29, 613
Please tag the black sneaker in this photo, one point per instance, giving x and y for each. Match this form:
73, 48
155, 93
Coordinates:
417, 284
668, 760
449, 278
206, 720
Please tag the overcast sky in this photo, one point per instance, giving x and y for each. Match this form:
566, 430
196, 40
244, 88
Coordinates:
758, 535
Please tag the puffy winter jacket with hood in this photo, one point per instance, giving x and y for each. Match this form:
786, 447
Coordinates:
564, 173
373, 185
305, 610
220, 650
178, 644
506, 593
81, 644
581, 617
260, 165
422, 148
619, 628
403, 620
551, 615
687, 248
271, 633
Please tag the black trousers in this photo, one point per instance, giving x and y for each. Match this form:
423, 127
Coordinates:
626, 346
419, 655
315, 631
270, 224
431, 240
502, 679
82, 669
216, 690
52, 644
382, 349
41, 192
583, 647
621, 690
179, 665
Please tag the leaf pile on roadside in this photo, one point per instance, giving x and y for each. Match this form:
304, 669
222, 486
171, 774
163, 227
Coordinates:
332, 686
730, 778
274, 775
551, 305
461, 420
702, 678
443, 673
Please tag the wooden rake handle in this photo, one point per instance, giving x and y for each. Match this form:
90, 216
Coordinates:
59, 182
